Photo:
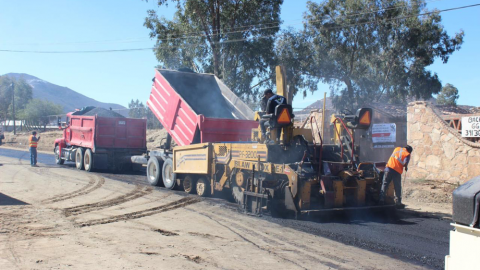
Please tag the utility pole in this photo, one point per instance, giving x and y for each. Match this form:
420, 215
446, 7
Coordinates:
13, 107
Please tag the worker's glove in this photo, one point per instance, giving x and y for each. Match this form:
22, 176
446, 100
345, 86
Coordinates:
406, 169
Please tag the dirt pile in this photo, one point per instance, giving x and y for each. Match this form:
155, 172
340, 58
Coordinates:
101, 112
428, 191
155, 137
46, 143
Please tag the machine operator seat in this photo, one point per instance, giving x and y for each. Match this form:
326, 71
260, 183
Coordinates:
282, 117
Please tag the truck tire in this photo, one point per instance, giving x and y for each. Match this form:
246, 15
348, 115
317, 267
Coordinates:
154, 172
189, 184
203, 187
168, 176
58, 159
79, 158
88, 160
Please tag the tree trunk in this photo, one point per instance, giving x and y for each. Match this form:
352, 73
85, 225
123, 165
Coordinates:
350, 91
216, 61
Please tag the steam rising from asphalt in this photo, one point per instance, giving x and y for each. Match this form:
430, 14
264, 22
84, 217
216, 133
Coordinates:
201, 92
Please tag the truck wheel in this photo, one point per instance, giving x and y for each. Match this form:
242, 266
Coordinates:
79, 158
203, 187
88, 160
154, 170
189, 184
168, 176
58, 159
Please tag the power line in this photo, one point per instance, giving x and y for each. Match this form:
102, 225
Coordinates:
196, 34
245, 39
95, 51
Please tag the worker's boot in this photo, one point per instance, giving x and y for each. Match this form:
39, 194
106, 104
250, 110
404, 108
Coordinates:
399, 203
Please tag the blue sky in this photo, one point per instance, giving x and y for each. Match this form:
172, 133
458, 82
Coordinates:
55, 25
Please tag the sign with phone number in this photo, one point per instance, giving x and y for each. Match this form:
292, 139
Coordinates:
471, 126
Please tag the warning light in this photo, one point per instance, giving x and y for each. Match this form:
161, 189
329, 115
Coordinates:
284, 117
365, 119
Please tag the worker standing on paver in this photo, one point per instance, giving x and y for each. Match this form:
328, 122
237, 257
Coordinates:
33, 143
393, 171
272, 101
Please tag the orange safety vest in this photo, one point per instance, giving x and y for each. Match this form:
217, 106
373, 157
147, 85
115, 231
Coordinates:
31, 142
398, 159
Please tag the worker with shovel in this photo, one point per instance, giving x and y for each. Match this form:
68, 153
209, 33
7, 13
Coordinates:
397, 161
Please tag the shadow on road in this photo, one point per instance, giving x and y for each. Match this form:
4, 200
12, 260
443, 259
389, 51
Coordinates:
7, 200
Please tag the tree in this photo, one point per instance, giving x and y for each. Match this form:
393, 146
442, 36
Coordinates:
448, 95
39, 113
152, 120
232, 39
23, 94
138, 110
370, 50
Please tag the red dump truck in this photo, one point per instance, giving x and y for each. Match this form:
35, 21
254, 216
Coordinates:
96, 138
194, 108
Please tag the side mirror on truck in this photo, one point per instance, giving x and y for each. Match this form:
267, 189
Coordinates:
61, 124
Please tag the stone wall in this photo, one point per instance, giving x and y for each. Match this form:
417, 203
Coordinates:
439, 152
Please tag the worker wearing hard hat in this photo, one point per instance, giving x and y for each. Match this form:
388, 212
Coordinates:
269, 102
393, 171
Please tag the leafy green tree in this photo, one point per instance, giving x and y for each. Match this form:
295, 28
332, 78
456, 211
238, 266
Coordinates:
137, 109
232, 39
448, 95
152, 120
369, 50
23, 94
39, 113
294, 51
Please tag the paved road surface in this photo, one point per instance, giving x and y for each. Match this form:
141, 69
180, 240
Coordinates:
410, 236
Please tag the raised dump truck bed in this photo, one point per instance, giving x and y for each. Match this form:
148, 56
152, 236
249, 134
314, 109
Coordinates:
198, 108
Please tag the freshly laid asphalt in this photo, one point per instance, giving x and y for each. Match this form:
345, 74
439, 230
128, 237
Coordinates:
416, 237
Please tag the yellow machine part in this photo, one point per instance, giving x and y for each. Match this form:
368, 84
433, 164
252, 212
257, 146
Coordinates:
291, 133
192, 159
305, 195
350, 180
336, 126
281, 78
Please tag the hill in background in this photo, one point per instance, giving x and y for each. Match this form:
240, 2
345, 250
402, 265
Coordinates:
64, 96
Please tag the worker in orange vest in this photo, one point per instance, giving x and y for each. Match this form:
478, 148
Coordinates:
393, 171
33, 143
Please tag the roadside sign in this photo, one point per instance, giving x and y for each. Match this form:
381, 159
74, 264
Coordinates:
384, 133
471, 126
